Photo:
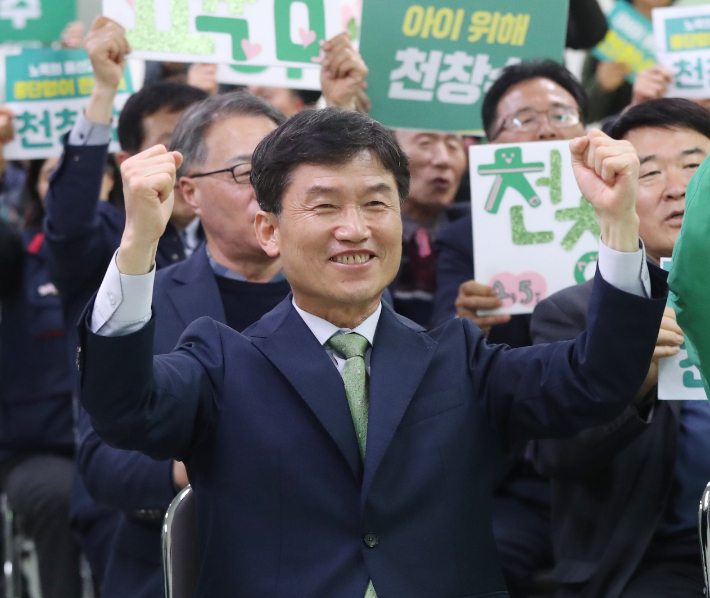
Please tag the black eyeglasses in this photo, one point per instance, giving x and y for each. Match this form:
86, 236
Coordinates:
240, 173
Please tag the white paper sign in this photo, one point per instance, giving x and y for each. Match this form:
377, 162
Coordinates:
682, 36
533, 232
271, 76
678, 378
253, 32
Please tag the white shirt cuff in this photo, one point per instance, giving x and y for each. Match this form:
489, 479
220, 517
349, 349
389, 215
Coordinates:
85, 132
123, 303
627, 272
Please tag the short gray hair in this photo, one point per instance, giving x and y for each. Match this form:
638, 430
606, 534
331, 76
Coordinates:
189, 135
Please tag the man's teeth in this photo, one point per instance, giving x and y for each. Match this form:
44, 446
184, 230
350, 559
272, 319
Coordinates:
351, 259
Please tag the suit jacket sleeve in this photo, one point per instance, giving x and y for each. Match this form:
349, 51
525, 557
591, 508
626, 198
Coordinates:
558, 389
11, 260
161, 406
125, 480
690, 277
80, 246
556, 319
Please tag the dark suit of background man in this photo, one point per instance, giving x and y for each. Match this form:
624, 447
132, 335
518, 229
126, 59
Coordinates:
337, 449
625, 495
531, 101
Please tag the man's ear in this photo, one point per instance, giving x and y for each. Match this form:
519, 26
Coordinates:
266, 226
189, 192
121, 157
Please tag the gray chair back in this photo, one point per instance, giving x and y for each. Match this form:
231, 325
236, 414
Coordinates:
181, 559
704, 531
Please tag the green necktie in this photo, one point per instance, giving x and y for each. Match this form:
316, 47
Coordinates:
352, 347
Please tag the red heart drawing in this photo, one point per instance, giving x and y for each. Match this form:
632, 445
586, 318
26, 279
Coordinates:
307, 37
251, 50
528, 288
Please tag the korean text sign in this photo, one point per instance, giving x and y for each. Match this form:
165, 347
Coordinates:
533, 232
47, 89
678, 378
35, 20
283, 33
683, 41
432, 64
628, 41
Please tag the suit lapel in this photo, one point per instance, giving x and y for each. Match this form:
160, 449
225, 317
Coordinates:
400, 356
285, 339
195, 292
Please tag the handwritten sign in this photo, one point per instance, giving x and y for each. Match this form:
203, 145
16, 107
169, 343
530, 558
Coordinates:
431, 65
284, 33
35, 20
47, 89
678, 378
271, 76
533, 232
683, 41
628, 41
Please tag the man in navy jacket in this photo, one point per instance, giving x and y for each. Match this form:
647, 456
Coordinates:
322, 470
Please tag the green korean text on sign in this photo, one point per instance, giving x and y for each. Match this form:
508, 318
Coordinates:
35, 20
432, 64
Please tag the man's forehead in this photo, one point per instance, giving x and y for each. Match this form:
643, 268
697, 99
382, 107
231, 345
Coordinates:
538, 94
404, 135
364, 167
670, 142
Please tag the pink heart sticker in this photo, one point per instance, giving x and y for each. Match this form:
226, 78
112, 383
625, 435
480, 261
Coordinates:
131, 4
527, 289
307, 37
318, 58
251, 50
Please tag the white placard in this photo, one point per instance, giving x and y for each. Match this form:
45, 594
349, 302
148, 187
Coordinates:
533, 232
678, 378
271, 76
682, 36
253, 32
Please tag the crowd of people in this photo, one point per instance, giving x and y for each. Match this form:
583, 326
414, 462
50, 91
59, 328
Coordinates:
526, 454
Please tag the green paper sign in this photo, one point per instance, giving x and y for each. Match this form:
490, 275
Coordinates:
431, 65
35, 20
47, 89
629, 40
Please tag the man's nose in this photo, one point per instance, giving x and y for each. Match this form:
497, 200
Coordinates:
353, 226
676, 185
440, 155
545, 131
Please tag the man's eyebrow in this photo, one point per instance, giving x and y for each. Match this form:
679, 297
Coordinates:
648, 158
379, 188
327, 190
692, 151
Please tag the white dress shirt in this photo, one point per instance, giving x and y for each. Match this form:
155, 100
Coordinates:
123, 302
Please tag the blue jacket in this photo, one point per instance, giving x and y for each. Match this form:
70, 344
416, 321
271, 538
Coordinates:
36, 377
140, 487
285, 505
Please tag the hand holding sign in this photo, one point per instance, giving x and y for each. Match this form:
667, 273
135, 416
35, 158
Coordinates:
344, 72
607, 175
651, 84
670, 338
474, 296
7, 131
148, 183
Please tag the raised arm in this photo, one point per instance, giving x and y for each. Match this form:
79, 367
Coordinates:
82, 234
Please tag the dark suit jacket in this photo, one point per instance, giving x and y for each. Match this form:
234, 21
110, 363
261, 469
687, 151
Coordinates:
81, 235
140, 487
283, 500
610, 484
454, 266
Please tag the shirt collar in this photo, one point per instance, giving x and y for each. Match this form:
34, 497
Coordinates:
323, 330
225, 272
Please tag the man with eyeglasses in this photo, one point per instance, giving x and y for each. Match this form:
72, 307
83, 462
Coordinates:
531, 101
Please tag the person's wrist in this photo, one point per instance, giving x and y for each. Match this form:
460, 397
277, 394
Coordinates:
136, 254
621, 233
99, 109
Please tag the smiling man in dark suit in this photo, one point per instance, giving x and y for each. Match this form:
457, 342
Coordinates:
335, 448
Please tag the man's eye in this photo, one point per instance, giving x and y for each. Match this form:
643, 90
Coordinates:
693, 166
650, 174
